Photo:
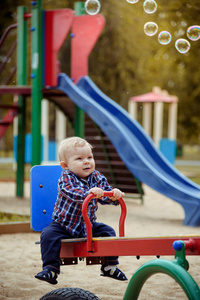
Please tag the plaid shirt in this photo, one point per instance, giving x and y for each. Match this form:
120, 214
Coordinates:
72, 191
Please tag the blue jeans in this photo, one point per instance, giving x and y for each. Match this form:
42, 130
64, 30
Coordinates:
51, 243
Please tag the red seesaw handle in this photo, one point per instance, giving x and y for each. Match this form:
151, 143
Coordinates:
88, 223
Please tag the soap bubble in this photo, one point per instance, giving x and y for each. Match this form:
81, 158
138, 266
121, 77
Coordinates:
183, 23
165, 56
182, 45
92, 7
150, 28
162, 15
173, 23
164, 37
179, 32
132, 1
193, 32
150, 6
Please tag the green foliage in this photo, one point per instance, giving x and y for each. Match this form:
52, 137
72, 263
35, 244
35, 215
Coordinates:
125, 62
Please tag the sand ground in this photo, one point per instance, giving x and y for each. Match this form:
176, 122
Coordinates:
20, 257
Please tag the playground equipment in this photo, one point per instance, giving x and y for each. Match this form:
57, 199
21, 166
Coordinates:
45, 54
157, 97
131, 142
43, 195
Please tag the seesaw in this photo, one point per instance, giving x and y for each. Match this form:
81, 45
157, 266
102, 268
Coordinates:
94, 250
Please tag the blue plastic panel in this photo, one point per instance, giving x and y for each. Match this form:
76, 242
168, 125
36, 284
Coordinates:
168, 149
44, 180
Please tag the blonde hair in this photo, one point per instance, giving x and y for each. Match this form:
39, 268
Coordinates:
67, 144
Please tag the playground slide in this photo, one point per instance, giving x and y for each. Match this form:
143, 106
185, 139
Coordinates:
134, 146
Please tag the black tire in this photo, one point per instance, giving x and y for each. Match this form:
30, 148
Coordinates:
70, 294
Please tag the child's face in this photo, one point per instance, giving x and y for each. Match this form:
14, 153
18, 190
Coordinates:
81, 161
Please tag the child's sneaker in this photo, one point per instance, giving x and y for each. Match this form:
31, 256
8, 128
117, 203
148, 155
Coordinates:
47, 275
114, 273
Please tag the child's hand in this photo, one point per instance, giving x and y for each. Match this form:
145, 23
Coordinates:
97, 192
117, 194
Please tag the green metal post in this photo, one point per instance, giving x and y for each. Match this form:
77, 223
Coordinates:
173, 269
79, 122
21, 80
177, 269
36, 76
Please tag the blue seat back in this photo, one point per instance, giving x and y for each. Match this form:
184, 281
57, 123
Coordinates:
44, 180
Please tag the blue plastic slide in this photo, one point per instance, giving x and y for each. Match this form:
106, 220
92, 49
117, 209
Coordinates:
134, 146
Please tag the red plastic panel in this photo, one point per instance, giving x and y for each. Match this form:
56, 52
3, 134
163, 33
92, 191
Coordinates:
86, 30
57, 25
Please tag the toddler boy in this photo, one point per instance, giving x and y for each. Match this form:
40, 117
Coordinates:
78, 179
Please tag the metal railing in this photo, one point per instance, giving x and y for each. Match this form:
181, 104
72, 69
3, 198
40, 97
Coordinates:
13, 47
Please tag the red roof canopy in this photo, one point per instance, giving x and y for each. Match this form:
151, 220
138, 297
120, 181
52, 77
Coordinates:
154, 97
